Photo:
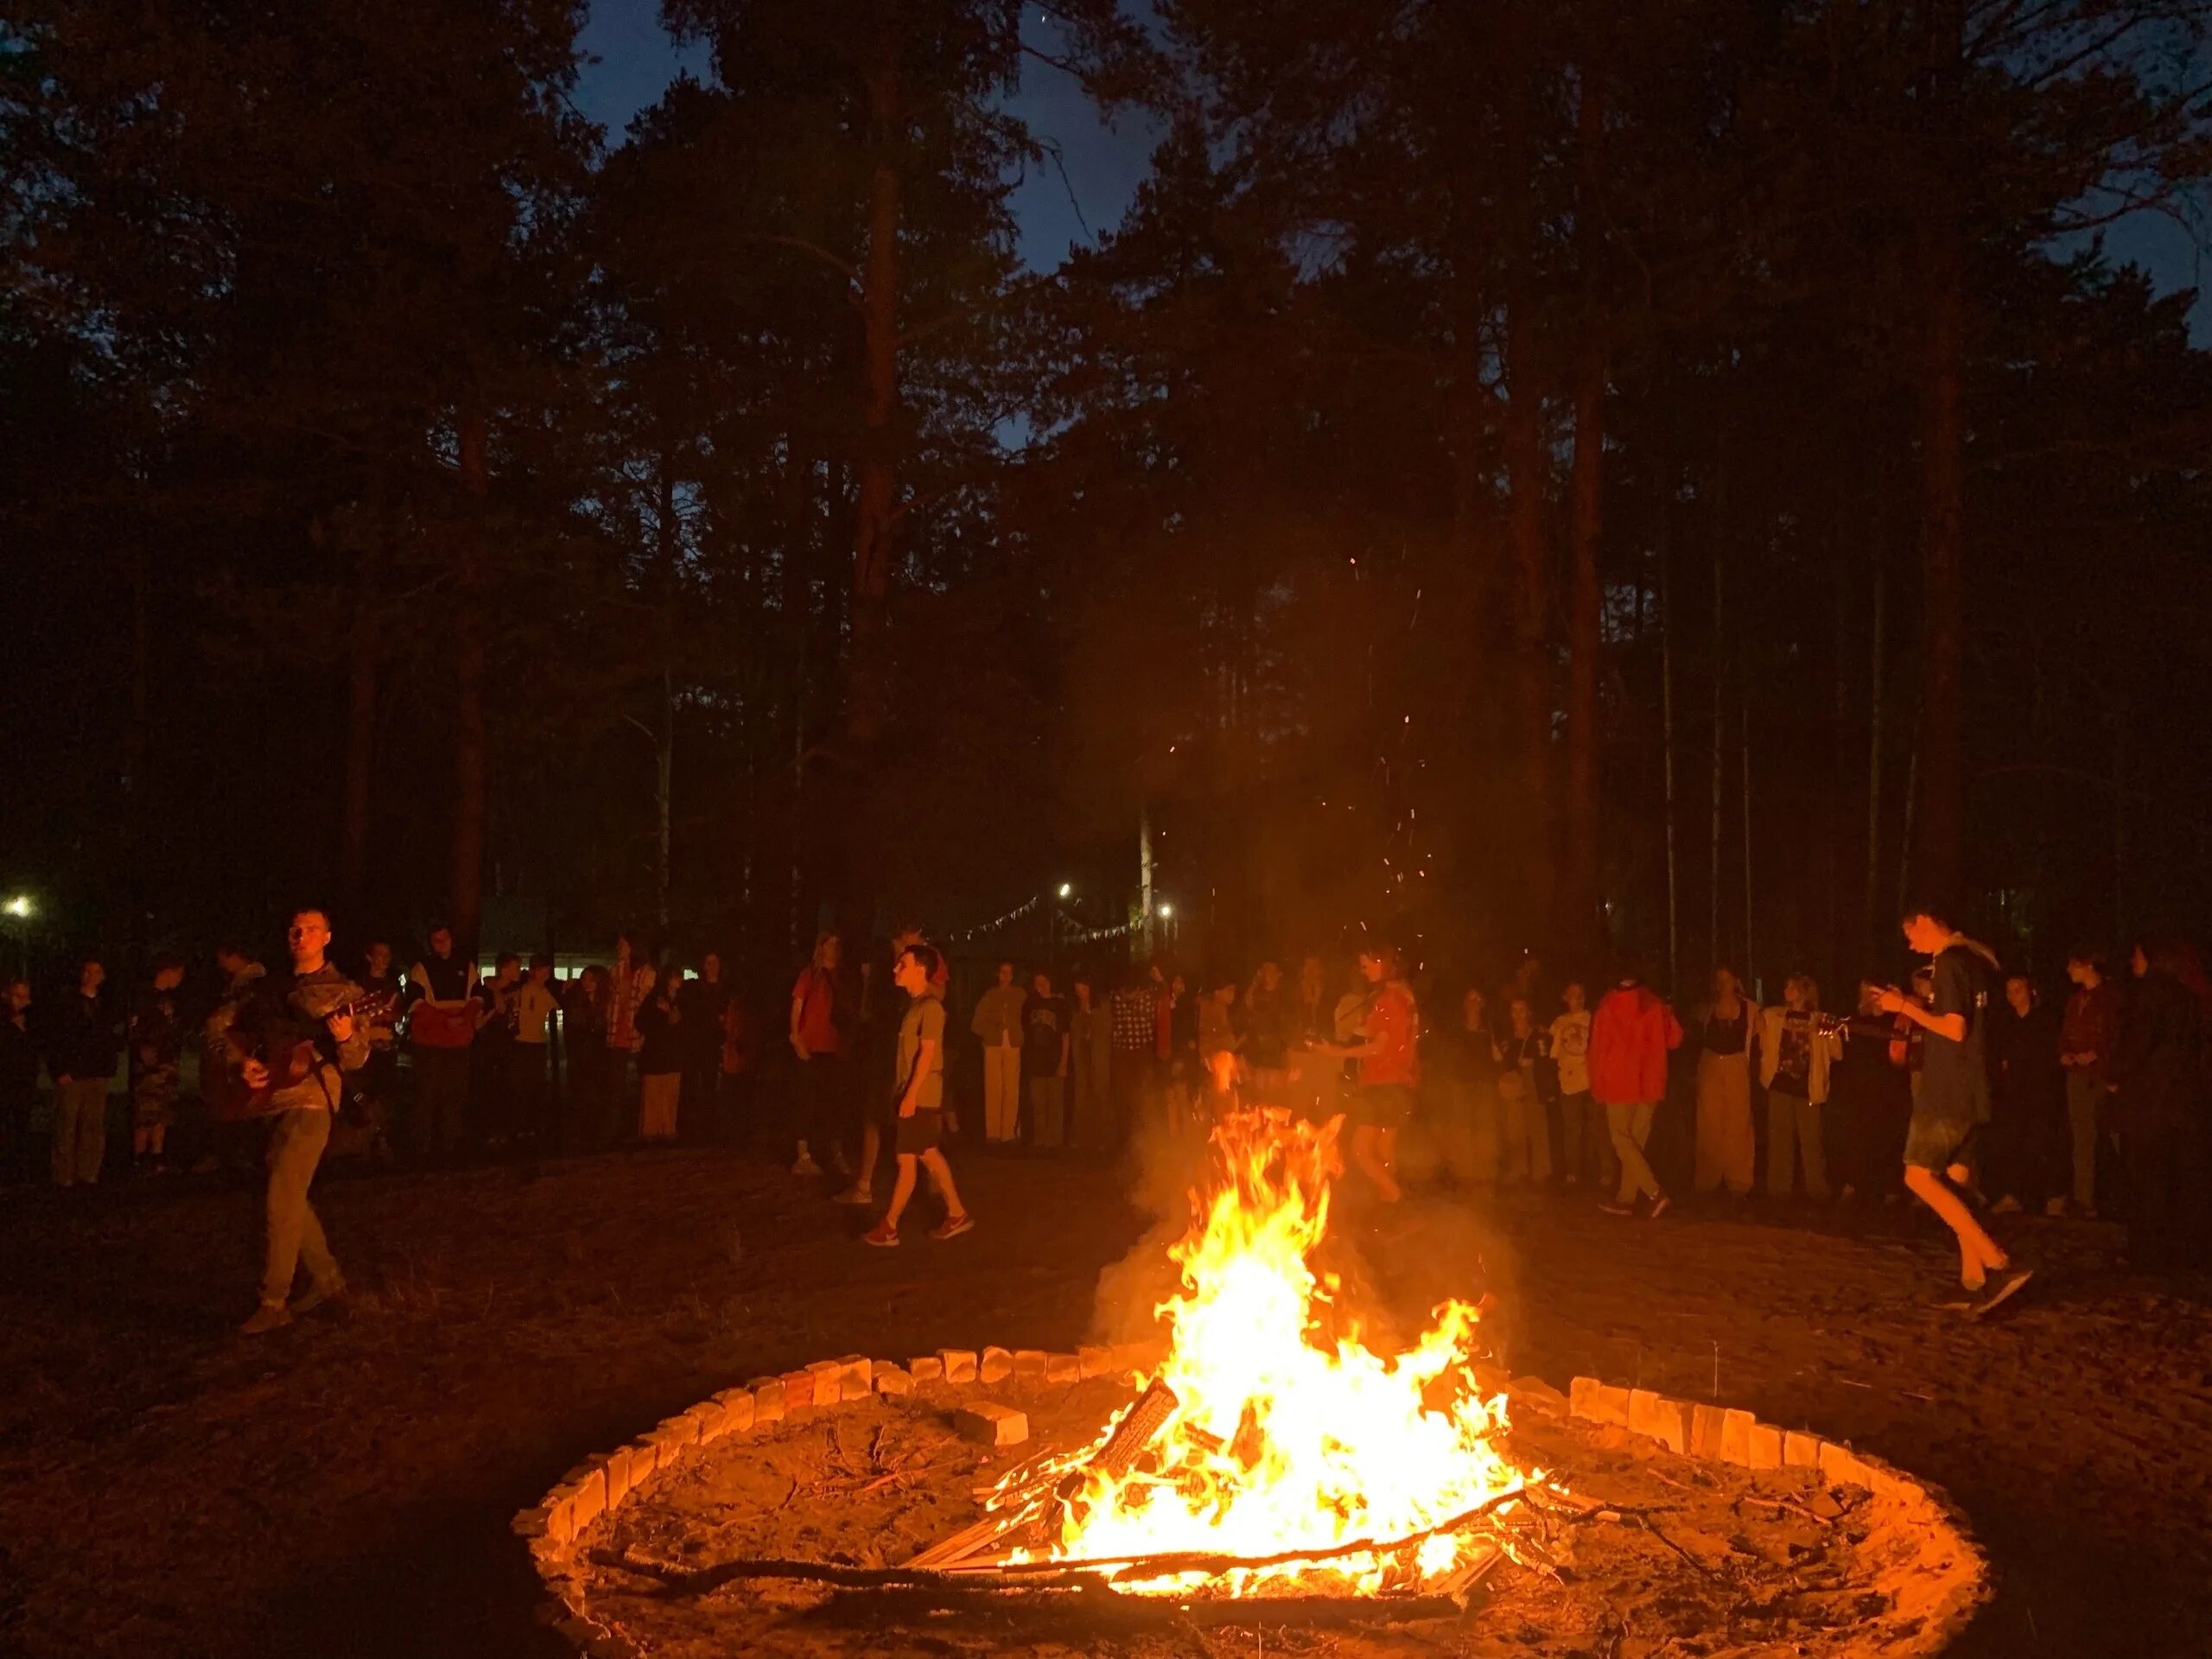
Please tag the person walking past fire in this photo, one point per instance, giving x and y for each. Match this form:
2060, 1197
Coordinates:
920, 1109
1631, 1036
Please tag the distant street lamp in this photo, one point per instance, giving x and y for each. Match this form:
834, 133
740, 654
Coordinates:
21, 907
1168, 910
1066, 888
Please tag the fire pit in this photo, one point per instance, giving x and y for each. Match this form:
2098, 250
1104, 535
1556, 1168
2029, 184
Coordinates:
1255, 1466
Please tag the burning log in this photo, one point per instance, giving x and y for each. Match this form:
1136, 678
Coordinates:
1124, 1569
1046, 1591
1131, 1438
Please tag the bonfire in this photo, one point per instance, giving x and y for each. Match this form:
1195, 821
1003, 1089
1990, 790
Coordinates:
1274, 1452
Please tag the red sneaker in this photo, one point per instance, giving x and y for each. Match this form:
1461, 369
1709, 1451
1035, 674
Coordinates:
953, 1226
883, 1235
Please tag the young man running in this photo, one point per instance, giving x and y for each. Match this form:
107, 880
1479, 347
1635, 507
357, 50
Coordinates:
921, 1100
1953, 1097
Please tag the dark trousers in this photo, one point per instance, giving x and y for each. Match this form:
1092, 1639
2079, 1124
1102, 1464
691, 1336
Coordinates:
16, 1132
526, 1091
1132, 1076
2163, 1166
441, 1098
823, 1112
595, 1080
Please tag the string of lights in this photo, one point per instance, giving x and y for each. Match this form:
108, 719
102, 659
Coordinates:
1089, 936
1011, 917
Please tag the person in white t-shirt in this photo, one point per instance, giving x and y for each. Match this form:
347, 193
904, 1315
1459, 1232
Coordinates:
1582, 1121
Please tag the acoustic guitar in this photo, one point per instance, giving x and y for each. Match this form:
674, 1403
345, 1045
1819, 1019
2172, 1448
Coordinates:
290, 1064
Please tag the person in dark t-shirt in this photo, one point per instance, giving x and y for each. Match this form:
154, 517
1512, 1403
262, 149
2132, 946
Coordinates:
1953, 1094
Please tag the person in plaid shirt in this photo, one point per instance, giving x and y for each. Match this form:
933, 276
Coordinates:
1137, 1023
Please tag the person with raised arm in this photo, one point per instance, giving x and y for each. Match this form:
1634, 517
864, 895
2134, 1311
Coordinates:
1953, 1099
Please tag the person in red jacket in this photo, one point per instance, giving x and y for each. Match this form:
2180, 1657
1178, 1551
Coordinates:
1629, 1036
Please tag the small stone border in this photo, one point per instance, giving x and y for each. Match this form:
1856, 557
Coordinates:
599, 1484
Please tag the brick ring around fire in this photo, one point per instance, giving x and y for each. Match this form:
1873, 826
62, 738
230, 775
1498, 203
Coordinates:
557, 1528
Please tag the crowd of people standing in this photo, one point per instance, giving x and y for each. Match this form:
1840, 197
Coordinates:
1966, 1092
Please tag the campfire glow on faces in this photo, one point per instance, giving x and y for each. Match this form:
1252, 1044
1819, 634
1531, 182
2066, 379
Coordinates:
1277, 1443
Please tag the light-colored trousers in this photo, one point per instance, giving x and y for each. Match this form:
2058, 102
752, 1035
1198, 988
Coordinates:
1528, 1153
1001, 1091
658, 1095
1793, 1126
1724, 1122
79, 1130
296, 1143
1630, 1126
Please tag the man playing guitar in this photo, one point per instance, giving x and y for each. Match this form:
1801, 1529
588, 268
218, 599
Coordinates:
292, 1037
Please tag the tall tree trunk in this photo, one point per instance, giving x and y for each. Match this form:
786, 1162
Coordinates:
1838, 732
1743, 732
465, 893
669, 547
363, 650
1941, 808
1585, 506
1667, 724
1150, 925
876, 511
1872, 920
1719, 685
138, 820
1532, 696
664, 796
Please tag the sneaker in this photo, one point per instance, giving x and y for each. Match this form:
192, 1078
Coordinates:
883, 1235
805, 1166
1613, 1208
318, 1294
953, 1226
270, 1316
856, 1195
1658, 1207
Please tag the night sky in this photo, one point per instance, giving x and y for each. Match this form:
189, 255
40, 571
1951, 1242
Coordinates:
1104, 164
637, 60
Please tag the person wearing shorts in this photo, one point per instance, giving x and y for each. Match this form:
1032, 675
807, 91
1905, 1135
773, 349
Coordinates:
1389, 1068
1953, 1097
921, 1100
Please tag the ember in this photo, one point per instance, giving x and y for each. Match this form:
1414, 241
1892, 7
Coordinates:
1271, 1428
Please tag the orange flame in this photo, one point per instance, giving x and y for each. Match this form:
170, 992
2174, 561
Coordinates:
1285, 1438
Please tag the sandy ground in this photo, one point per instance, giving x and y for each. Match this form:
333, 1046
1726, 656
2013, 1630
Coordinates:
343, 1487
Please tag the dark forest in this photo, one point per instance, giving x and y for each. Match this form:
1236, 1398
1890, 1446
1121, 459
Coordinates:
1673, 477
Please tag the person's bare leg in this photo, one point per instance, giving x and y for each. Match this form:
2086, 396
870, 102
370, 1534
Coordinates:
940, 1179
1978, 1252
901, 1190
1368, 1155
863, 1189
